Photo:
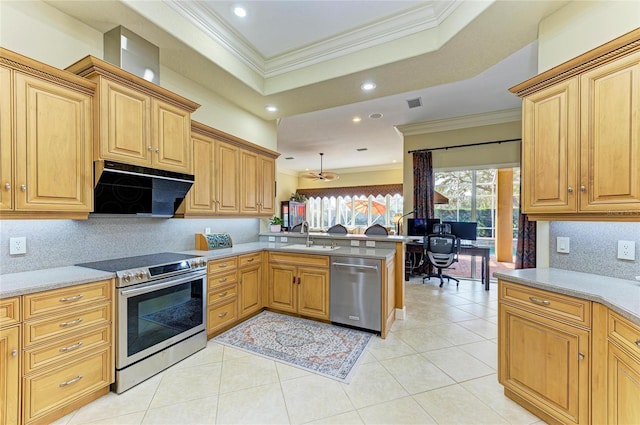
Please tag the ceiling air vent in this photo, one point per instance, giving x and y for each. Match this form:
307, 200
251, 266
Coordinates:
288, 157
414, 103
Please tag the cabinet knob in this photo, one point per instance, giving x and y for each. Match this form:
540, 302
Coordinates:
14, 352
150, 149
582, 188
580, 356
570, 190
23, 187
638, 342
157, 150
7, 186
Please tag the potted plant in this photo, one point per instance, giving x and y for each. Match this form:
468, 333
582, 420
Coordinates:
275, 224
298, 197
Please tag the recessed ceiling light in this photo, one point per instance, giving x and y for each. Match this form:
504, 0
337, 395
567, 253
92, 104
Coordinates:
368, 86
375, 116
356, 119
271, 108
239, 11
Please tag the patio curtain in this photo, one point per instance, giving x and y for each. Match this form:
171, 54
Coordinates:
526, 249
423, 184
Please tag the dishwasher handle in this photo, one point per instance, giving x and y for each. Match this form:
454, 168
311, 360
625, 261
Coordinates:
355, 266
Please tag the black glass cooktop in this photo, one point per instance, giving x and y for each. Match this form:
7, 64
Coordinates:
140, 261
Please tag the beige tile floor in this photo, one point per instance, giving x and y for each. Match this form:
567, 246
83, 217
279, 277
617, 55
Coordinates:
436, 367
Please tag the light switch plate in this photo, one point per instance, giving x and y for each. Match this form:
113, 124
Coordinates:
371, 244
355, 243
562, 245
283, 239
272, 238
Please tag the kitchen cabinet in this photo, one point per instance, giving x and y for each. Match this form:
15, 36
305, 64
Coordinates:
544, 352
388, 296
299, 283
222, 294
67, 349
257, 179
46, 142
138, 122
581, 136
9, 361
250, 283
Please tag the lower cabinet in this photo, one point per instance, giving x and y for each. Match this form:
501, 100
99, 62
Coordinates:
299, 283
222, 294
9, 375
249, 284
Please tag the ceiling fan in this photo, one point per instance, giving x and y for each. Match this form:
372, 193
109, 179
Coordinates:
325, 176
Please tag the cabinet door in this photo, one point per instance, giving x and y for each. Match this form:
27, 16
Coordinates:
171, 138
546, 363
125, 124
623, 387
250, 290
6, 141
227, 169
53, 147
313, 292
266, 184
282, 290
9, 376
249, 182
610, 137
549, 149
201, 196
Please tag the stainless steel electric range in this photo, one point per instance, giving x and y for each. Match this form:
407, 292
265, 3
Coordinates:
161, 312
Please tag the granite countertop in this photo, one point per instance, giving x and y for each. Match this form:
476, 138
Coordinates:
620, 295
14, 284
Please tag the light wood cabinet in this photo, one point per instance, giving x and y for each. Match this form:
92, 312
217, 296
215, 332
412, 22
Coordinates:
544, 352
257, 179
581, 136
9, 361
222, 294
138, 122
250, 284
46, 119
388, 296
299, 283
67, 349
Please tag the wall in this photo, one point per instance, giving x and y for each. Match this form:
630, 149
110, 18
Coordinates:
360, 178
593, 248
577, 28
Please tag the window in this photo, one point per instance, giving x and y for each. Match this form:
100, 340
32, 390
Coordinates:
354, 211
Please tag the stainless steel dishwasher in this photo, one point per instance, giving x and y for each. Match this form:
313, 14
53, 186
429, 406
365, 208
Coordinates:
356, 292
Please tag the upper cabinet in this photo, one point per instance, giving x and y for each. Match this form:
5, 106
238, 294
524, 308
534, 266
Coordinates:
138, 122
45, 144
225, 180
581, 136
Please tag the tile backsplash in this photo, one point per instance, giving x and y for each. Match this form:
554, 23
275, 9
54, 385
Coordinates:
56, 243
594, 246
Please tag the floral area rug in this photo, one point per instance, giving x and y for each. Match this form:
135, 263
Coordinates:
328, 350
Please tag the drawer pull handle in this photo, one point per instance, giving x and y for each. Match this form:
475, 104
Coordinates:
71, 347
250, 259
538, 301
74, 298
71, 323
580, 356
14, 352
638, 342
223, 265
73, 381
222, 314
222, 280
224, 294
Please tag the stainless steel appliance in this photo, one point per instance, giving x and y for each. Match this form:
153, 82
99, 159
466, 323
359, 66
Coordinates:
161, 312
356, 292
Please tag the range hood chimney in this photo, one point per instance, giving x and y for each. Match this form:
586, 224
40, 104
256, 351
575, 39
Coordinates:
132, 53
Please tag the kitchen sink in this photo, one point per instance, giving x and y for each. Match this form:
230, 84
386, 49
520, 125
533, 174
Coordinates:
314, 247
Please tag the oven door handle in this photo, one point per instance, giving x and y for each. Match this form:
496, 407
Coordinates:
165, 283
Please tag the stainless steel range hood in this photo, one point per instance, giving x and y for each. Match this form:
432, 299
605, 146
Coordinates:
131, 190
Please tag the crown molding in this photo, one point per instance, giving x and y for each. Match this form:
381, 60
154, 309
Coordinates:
466, 121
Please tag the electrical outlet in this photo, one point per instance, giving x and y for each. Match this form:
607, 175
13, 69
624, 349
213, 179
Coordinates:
562, 244
207, 230
272, 238
17, 246
283, 239
355, 243
626, 250
371, 244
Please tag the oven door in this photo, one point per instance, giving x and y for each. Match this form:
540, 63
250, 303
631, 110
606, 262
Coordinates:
155, 315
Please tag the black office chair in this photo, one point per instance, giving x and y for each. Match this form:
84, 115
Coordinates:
441, 250
338, 228
376, 229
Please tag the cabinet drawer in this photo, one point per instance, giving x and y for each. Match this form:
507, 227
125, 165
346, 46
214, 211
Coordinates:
41, 330
66, 349
221, 279
249, 259
624, 332
310, 260
50, 302
222, 293
46, 392
547, 303
9, 311
222, 315
218, 266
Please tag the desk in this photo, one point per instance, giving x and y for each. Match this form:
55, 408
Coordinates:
414, 248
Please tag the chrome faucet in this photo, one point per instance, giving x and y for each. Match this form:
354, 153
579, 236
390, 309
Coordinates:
304, 228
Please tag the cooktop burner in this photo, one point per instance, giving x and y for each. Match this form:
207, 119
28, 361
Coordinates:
140, 261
